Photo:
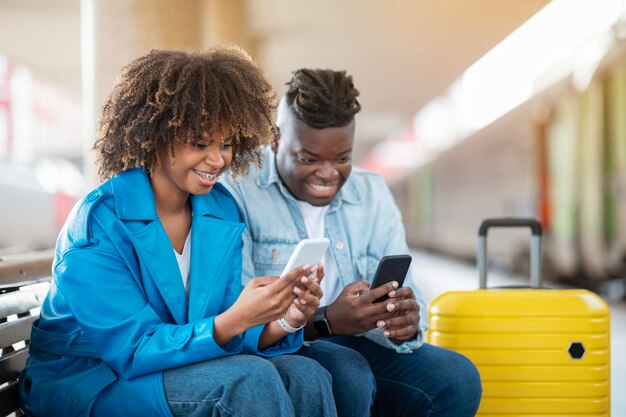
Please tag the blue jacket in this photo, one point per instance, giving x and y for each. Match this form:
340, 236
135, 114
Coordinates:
363, 224
116, 315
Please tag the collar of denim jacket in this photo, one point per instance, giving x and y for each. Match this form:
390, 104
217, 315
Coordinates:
268, 176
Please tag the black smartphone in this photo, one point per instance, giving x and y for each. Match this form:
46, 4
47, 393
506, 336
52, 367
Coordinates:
391, 268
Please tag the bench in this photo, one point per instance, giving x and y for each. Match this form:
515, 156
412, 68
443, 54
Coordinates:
23, 286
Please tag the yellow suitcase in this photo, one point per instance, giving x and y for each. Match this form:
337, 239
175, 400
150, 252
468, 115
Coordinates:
540, 352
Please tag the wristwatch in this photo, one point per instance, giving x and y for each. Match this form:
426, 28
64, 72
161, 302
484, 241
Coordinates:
322, 327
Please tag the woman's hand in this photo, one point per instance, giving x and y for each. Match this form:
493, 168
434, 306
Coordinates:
263, 300
308, 298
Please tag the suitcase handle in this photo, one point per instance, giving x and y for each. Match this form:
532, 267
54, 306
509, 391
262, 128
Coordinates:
535, 247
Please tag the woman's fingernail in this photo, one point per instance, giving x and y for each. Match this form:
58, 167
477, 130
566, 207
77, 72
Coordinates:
296, 301
391, 307
297, 290
386, 334
307, 266
394, 284
392, 293
304, 280
380, 323
302, 301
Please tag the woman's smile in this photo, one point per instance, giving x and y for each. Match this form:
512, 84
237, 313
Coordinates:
206, 178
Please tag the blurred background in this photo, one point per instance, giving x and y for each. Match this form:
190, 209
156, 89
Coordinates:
59, 59
471, 109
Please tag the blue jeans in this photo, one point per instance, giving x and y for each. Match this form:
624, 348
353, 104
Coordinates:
430, 381
353, 382
245, 385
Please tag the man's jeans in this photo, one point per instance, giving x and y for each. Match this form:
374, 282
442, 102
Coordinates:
430, 381
245, 385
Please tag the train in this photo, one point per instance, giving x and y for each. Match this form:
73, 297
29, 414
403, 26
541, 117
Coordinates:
559, 156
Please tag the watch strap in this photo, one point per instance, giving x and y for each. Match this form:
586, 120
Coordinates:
322, 326
286, 326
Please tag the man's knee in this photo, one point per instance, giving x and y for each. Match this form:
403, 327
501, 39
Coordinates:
435, 380
464, 382
474, 387
467, 375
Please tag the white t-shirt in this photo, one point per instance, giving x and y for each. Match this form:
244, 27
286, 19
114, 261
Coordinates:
314, 222
184, 261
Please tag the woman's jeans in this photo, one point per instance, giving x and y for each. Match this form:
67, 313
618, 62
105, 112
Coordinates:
354, 386
429, 382
245, 385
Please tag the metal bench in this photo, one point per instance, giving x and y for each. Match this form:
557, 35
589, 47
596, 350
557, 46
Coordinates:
23, 286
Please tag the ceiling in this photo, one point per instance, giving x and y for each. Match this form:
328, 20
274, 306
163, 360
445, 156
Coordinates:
401, 53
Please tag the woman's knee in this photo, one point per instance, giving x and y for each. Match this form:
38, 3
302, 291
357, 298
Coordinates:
225, 377
301, 371
351, 369
308, 385
354, 384
351, 364
234, 385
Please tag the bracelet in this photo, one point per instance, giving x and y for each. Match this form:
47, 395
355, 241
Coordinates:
286, 326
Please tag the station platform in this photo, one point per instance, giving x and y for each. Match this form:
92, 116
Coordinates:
435, 275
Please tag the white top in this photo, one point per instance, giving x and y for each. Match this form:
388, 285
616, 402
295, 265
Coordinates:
314, 222
184, 261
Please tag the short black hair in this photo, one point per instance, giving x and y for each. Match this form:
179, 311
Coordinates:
322, 98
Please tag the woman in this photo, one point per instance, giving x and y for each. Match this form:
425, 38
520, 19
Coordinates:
146, 315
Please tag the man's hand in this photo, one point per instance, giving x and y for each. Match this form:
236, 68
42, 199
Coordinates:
404, 324
353, 312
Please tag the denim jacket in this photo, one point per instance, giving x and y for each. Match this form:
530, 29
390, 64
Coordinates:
363, 224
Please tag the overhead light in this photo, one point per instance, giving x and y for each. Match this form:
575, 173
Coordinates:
508, 74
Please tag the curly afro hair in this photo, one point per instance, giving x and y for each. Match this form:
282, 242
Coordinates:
167, 92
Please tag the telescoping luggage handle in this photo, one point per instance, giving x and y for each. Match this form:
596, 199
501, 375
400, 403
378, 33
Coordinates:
535, 247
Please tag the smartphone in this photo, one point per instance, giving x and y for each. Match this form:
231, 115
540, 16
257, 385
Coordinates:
391, 268
307, 251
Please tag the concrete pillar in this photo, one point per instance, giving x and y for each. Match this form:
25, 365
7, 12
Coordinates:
226, 21
114, 32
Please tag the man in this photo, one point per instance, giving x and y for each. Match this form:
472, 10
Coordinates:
307, 188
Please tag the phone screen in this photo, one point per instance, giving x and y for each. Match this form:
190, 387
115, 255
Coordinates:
391, 268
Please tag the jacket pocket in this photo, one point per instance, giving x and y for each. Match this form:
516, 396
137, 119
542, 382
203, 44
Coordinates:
271, 256
66, 396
